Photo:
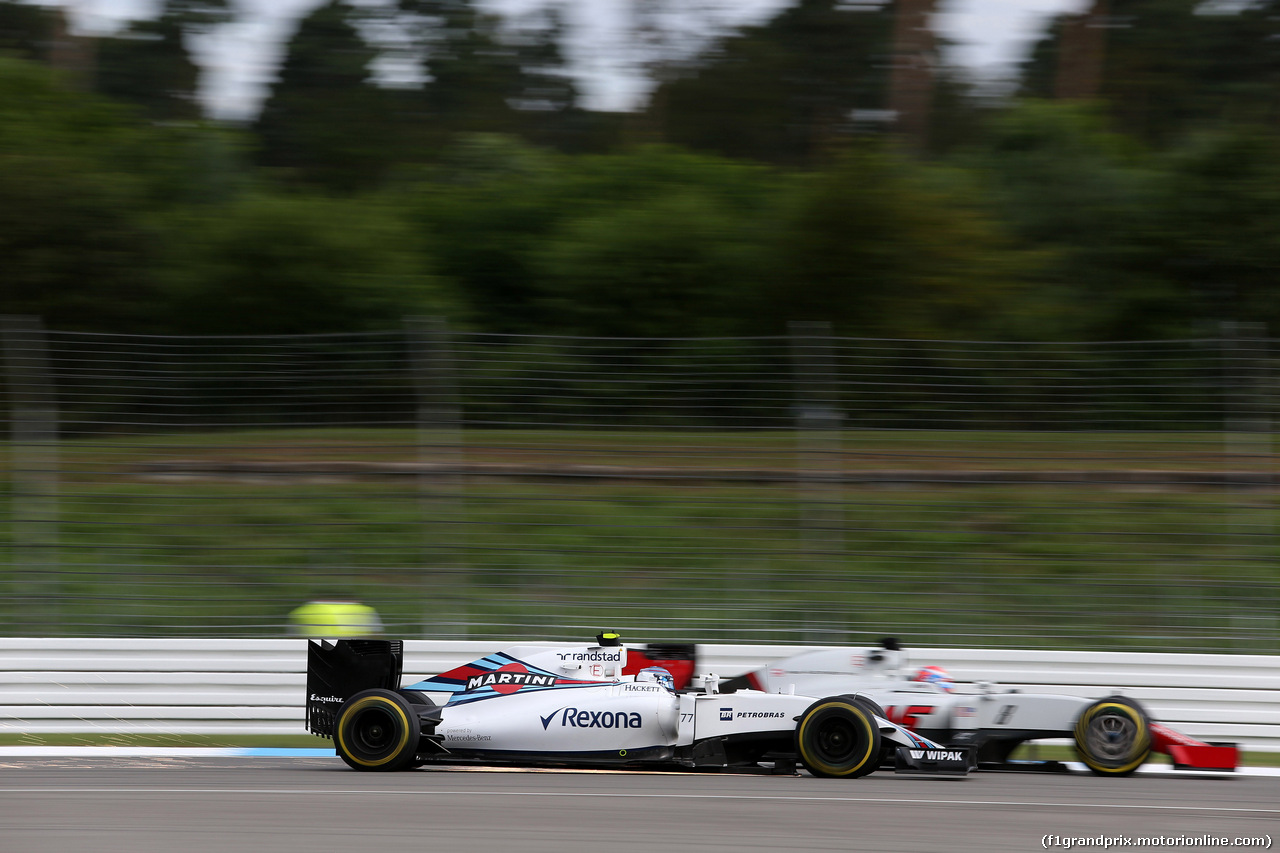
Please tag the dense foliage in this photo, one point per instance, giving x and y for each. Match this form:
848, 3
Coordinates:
745, 194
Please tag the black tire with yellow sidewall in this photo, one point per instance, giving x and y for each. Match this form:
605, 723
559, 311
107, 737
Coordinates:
868, 704
377, 730
837, 737
1113, 736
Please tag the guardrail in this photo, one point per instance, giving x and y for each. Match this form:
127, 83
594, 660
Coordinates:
257, 687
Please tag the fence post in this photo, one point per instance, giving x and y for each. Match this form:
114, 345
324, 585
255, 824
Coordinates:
1247, 438
33, 497
440, 477
1247, 425
818, 456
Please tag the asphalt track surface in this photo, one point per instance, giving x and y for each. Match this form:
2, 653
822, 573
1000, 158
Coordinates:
317, 805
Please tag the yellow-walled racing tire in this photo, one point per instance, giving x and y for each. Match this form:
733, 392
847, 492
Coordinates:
837, 737
1113, 736
377, 730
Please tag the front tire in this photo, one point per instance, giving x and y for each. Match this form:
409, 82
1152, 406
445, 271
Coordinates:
838, 738
1113, 736
377, 730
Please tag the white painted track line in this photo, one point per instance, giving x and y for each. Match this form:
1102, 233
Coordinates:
327, 752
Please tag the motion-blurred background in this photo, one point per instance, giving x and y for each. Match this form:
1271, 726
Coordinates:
818, 334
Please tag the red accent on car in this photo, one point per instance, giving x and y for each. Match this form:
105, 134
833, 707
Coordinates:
1189, 752
675, 658
509, 688
461, 673
908, 716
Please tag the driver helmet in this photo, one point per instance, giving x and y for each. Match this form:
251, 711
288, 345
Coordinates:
936, 676
659, 675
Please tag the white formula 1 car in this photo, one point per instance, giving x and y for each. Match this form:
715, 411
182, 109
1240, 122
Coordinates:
588, 705
1112, 736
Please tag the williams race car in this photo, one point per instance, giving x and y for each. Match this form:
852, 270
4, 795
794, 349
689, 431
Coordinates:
1112, 736
594, 705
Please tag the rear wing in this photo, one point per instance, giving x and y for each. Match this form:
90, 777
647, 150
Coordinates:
337, 671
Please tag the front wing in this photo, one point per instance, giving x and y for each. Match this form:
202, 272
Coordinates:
949, 761
1187, 753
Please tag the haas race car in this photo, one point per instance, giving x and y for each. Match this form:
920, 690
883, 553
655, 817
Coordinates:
1112, 736
594, 705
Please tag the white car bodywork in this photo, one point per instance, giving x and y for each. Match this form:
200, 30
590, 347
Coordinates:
591, 708
552, 704
883, 676
1112, 735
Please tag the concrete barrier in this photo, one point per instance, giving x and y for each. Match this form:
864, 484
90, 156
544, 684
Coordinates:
256, 687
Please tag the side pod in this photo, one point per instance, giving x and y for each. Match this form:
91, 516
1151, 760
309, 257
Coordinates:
337, 671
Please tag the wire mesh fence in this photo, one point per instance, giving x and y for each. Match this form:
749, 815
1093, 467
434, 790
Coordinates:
808, 488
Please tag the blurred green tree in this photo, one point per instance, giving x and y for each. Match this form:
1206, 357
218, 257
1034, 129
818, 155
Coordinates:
645, 240
484, 74
327, 124
284, 264
26, 31
149, 64
784, 92
472, 77
480, 213
661, 241
75, 201
881, 246
682, 259
546, 103
1085, 200
1165, 67
1218, 225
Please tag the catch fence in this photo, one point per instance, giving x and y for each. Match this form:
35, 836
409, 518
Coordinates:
797, 489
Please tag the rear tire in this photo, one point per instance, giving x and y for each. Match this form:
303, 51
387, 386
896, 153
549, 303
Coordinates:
1113, 736
377, 730
416, 697
837, 737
